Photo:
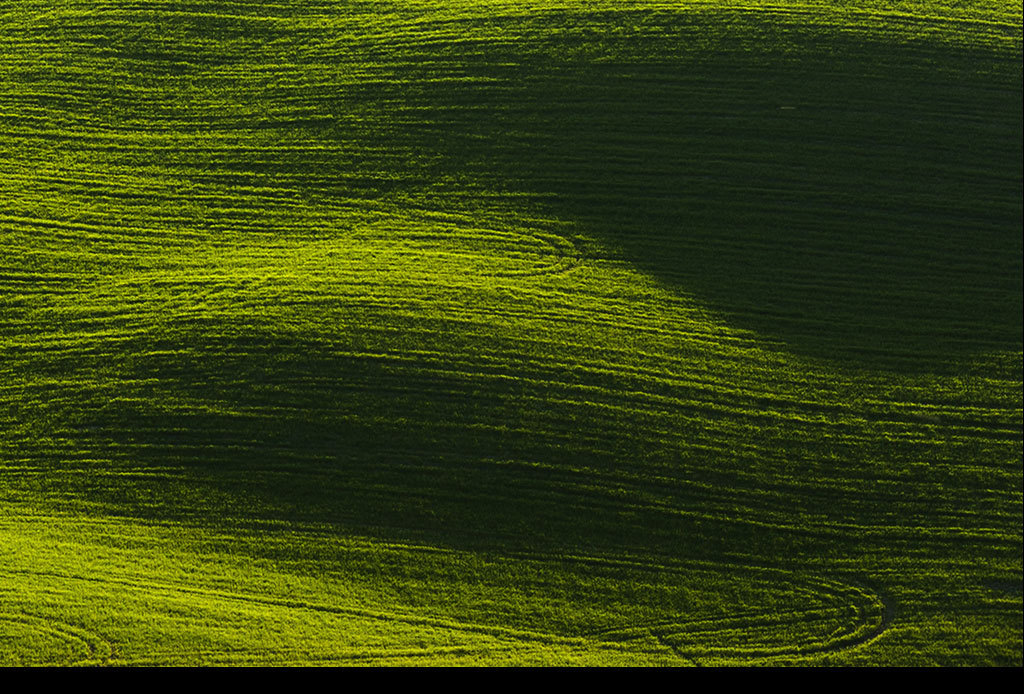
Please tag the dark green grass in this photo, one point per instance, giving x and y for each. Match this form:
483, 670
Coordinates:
501, 333
845, 192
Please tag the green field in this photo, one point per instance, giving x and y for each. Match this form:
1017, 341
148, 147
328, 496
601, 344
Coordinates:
511, 332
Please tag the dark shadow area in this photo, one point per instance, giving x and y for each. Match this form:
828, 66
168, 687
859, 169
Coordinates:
853, 192
854, 196
255, 430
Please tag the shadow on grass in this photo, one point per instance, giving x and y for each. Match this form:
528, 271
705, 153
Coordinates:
855, 198
266, 431
853, 193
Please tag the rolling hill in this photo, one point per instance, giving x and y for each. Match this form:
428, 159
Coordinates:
511, 332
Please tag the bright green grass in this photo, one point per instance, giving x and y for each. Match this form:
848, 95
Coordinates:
511, 333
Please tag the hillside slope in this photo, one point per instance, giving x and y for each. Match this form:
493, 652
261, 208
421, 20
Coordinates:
498, 332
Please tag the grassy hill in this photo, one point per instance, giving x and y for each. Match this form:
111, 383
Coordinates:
562, 332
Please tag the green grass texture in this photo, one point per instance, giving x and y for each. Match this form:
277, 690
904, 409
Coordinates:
511, 332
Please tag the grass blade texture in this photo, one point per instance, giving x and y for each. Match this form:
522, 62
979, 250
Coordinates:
511, 332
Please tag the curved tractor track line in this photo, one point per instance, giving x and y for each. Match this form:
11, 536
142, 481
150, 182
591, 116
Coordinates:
98, 650
867, 614
296, 656
874, 613
564, 252
501, 633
